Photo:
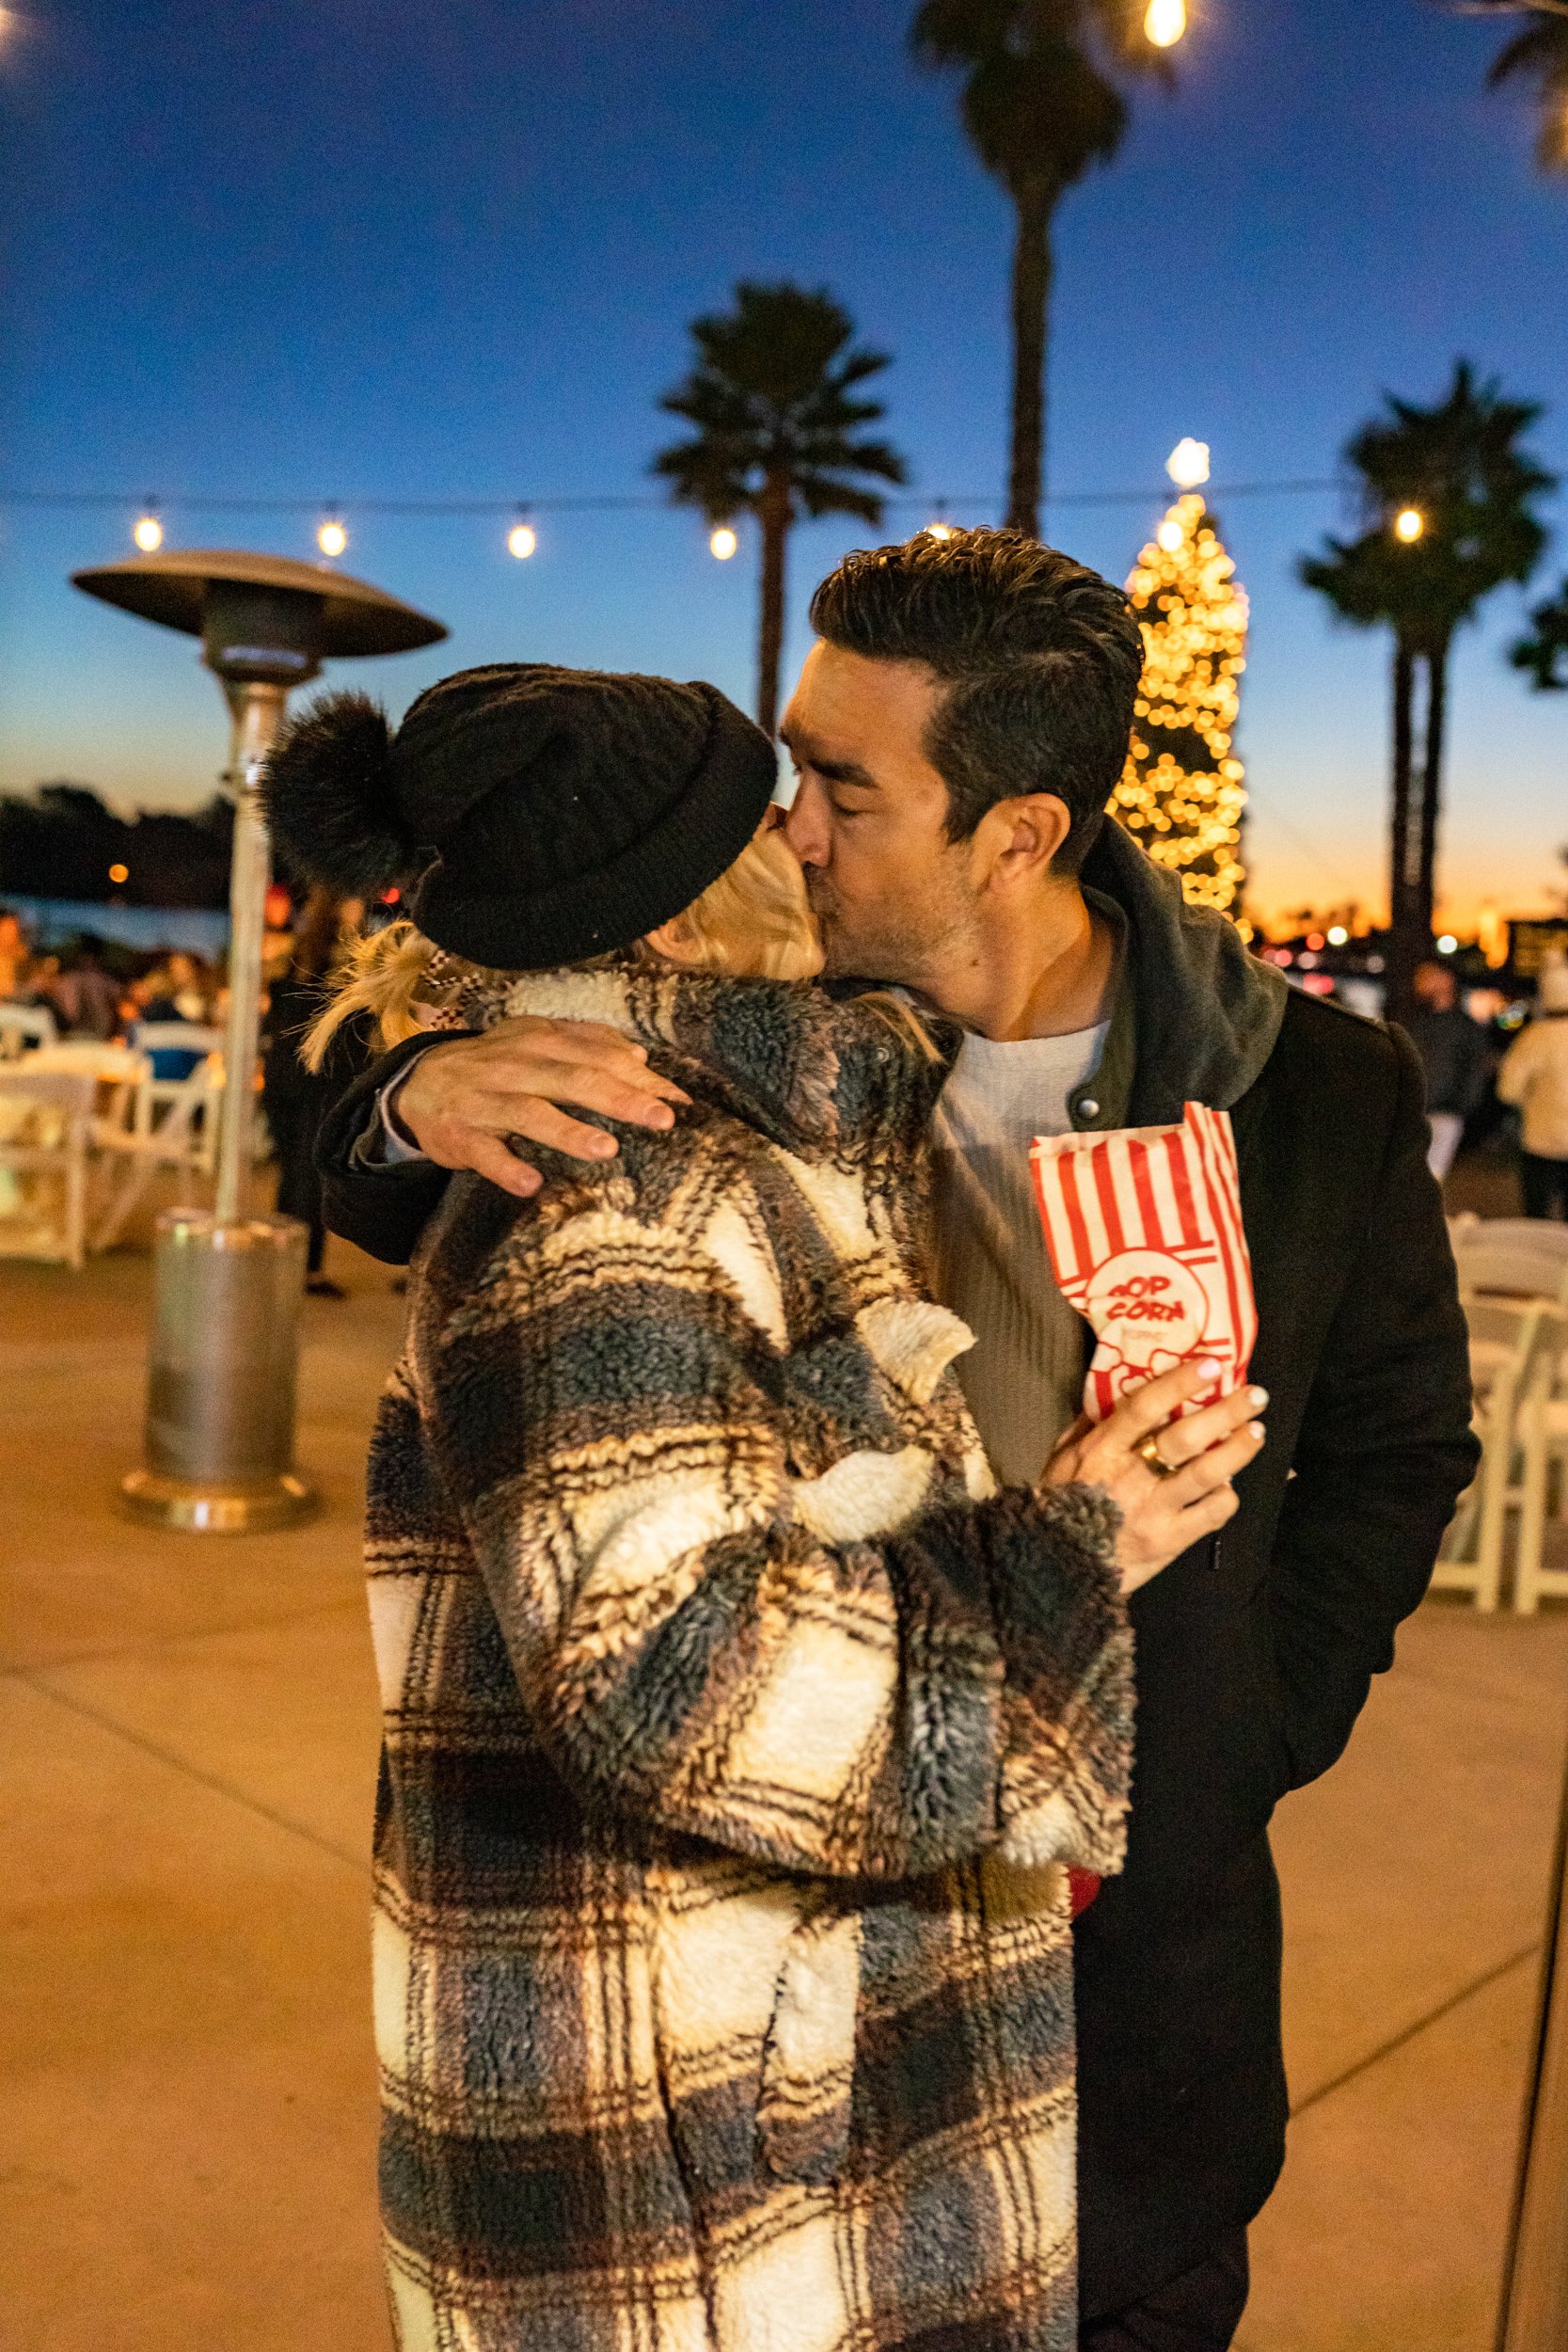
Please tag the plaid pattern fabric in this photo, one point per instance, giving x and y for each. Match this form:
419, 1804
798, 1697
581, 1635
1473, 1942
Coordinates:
737, 1730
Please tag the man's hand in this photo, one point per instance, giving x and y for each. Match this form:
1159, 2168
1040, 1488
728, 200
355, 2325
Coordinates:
1185, 1493
460, 1102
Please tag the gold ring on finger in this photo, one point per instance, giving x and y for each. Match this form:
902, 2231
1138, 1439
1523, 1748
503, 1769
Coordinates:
1149, 1453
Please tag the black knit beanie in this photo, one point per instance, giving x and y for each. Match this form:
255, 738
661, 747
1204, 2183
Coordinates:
548, 815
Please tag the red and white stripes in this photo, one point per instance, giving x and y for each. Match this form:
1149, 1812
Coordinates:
1144, 1228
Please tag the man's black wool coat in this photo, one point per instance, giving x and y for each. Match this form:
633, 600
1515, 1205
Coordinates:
1255, 1653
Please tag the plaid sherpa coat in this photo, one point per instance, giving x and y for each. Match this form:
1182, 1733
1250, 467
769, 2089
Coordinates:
737, 1729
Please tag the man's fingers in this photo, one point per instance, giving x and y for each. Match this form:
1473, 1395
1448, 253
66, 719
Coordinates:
490, 1157
577, 1045
538, 1122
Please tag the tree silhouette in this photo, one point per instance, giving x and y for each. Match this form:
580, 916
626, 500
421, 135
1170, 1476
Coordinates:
772, 396
1542, 653
1041, 109
1538, 55
1457, 467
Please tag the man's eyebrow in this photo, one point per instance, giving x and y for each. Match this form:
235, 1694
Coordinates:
835, 770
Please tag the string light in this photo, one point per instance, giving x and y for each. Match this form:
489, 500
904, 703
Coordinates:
1166, 23
1409, 523
940, 531
1182, 793
521, 540
723, 543
1188, 464
332, 538
149, 533
119, 873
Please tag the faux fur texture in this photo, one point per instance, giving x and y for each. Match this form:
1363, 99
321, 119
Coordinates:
329, 794
719, 1685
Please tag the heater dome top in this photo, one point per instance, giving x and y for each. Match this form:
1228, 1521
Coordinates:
352, 619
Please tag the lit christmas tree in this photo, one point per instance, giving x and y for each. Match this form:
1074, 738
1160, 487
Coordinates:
1182, 795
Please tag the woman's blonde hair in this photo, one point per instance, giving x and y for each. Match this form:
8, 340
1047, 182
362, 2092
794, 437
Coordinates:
753, 923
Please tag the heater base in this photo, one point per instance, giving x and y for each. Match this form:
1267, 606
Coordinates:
197, 1507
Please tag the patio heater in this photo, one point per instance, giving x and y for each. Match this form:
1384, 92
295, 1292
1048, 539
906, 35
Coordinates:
220, 1408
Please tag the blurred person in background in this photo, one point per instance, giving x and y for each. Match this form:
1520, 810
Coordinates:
1534, 1080
297, 1098
86, 996
13, 953
1453, 1053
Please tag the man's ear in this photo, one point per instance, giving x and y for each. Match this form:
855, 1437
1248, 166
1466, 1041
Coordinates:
675, 942
1019, 838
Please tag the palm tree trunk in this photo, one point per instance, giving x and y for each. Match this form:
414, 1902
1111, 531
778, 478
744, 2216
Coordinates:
773, 514
1400, 965
1432, 792
1032, 273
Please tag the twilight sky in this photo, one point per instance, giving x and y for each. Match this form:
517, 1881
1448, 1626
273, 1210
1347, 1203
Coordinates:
313, 249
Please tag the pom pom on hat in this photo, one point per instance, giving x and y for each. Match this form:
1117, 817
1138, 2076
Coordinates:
330, 801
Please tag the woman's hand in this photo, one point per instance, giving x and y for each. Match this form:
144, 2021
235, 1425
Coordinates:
1182, 1494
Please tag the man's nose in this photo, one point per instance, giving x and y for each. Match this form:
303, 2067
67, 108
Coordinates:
805, 830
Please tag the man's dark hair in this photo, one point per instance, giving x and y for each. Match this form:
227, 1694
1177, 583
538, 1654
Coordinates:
1041, 656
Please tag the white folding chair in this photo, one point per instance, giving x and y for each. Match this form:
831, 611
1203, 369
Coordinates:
170, 1123
179, 1037
23, 1026
1543, 1441
45, 1118
1524, 1257
1511, 1340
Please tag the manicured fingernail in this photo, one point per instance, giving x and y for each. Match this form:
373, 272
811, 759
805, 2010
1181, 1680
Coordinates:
1255, 1430
662, 1116
1210, 1370
1258, 1398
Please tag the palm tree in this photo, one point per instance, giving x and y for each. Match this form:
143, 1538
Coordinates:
1041, 109
1542, 653
772, 397
1537, 54
1446, 495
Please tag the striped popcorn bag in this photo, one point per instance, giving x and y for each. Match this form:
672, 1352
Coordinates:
1144, 1228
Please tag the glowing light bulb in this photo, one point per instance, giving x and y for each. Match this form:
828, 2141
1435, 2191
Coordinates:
332, 538
149, 533
939, 530
1170, 536
1338, 935
1447, 944
119, 873
723, 543
1166, 23
1188, 464
521, 540
1409, 523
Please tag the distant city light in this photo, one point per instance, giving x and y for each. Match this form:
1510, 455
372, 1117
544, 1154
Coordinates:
723, 543
1188, 464
1409, 523
1170, 536
1166, 23
1447, 944
148, 533
332, 538
1338, 935
521, 540
1315, 940
119, 873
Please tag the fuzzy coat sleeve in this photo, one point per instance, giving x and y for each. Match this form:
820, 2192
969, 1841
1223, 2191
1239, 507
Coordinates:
713, 1644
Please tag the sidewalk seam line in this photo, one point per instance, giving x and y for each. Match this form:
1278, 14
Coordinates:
190, 1771
1409, 2033
171, 1640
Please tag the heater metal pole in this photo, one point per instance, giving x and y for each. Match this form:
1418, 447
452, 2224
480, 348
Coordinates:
258, 713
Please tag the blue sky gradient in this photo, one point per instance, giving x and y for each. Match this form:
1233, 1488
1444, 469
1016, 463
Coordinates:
319, 250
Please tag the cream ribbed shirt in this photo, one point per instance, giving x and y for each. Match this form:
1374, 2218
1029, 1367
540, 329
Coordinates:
1024, 1376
